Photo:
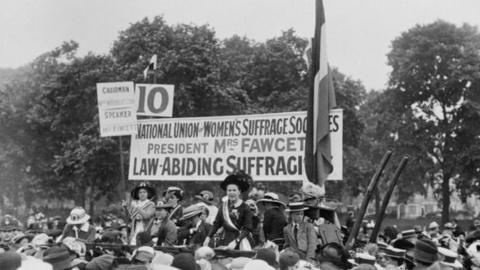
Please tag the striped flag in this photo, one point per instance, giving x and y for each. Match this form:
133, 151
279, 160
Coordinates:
152, 65
318, 156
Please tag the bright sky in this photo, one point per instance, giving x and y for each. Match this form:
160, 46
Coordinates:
359, 31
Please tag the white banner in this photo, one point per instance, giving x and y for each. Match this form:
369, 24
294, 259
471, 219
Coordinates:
116, 109
269, 147
154, 99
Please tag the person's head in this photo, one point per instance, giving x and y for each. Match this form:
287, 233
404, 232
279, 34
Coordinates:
425, 252
142, 194
296, 211
433, 228
205, 212
143, 255
288, 260
163, 210
184, 261
267, 255
235, 184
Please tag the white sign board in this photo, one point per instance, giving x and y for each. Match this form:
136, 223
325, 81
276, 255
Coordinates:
154, 99
116, 109
269, 147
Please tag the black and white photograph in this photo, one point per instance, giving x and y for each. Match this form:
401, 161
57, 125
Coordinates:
239, 134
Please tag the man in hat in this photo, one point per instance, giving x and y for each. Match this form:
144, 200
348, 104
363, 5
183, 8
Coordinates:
300, 236
78, 226
394, 258
194, 229
208, 201
425, 254
167, 232
273, 218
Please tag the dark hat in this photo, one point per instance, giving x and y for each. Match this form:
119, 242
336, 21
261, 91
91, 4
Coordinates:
296, 207
185, 261
403, 244
472, 237
336, 254
395, 253
150, 190
425, 251
17, 239
267, 255
205, 196
10, 260
103, 262
240, 179
288, 259
58, 257
111, 236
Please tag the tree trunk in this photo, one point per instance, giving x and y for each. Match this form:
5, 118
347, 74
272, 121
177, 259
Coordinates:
445, 198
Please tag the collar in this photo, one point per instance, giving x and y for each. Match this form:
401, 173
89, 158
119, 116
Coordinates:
85, 226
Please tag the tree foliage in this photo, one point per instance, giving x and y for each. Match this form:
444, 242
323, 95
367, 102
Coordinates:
435, 69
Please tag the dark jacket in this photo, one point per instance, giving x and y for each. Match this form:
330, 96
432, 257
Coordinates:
194, 237
167, 233
273, 223
241, 216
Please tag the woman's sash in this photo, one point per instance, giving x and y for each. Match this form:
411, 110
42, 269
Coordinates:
244, 243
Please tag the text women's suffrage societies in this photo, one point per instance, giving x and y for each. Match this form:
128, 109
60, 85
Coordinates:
266, 146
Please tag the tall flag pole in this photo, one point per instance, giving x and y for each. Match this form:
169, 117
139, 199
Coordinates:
318, 156
152, 65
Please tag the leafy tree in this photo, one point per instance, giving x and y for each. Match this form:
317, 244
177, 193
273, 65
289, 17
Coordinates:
435, 68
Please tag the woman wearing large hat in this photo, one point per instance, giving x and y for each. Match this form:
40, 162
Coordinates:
141, 209
273, 218
234, 216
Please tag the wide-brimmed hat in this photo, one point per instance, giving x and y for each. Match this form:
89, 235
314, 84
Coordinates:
240, 179
144, 254
433, 225
185, 261
364, 258
58, 257
78, 216
206, 196
336, 254
166, 206
18, 238
150, 190
176, 191
191, 211
449, 258
395, 252
448, 226
268, 255
425, 251
271, 197
296, 207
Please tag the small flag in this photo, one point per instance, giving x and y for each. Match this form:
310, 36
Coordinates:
318, 156
152, 65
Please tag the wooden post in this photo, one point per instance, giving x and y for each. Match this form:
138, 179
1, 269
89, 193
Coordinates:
123, 184
363, 208
386, 199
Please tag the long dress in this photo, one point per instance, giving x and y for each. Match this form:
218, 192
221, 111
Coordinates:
146, 210
236, 223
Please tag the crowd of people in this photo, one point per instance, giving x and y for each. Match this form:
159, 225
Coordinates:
262, 232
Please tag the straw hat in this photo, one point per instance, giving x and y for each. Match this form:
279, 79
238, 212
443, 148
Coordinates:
78, 216
271, 197
296, 207
191, 211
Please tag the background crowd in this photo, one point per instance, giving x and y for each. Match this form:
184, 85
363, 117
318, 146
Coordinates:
159, 231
